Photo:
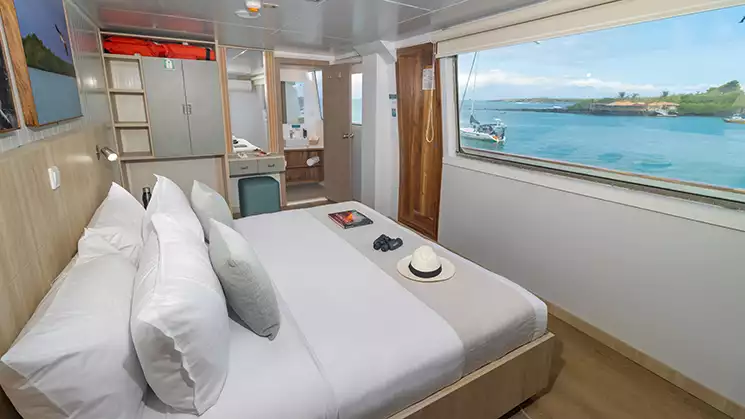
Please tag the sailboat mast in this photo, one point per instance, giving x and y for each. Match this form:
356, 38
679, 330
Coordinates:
468, 83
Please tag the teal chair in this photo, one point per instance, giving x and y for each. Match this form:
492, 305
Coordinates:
258, 195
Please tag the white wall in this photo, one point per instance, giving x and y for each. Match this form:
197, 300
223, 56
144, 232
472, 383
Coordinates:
247, 115
380, 153
669, 286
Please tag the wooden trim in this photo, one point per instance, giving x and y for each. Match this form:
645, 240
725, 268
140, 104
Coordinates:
8, 68
271, 72
276, 143
493, 390
18, 60
222, 66
714, 399
159, 38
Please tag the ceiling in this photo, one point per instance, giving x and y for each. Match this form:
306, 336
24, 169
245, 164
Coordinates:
331, 27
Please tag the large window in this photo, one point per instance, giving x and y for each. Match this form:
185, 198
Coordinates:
661, 99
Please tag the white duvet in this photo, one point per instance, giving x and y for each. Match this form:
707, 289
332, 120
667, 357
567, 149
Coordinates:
353, 342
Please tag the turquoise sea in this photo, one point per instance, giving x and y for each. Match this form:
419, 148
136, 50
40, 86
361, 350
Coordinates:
691, 148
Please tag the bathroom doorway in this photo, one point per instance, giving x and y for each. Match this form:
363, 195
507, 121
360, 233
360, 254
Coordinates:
317, 139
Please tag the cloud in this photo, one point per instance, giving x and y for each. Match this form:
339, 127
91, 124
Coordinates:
612, 85
497, 77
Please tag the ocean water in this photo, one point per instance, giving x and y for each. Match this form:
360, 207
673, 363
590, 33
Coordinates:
698, 149
357, 111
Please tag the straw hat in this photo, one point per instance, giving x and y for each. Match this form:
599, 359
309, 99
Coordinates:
425, 266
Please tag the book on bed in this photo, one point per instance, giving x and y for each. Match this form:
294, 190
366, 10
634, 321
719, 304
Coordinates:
350, 219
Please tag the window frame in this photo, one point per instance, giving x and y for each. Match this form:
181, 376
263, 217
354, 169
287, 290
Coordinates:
710, 194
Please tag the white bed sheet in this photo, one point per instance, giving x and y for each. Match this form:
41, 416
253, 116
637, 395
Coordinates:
379, 347
266, 380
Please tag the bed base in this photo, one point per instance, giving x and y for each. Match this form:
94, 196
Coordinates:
493, 390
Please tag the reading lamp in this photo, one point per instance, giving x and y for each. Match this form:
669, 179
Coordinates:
107, 152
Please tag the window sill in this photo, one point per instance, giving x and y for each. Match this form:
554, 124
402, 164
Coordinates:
676, 207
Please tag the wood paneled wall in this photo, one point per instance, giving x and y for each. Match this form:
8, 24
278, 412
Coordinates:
39, 226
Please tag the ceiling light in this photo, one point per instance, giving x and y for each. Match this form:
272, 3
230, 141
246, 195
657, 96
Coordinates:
252, 10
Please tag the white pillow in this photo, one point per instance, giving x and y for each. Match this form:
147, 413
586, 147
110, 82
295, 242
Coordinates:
75, 358
118, 209
97, 242
208, 205
179, 319
120, 215
168, 198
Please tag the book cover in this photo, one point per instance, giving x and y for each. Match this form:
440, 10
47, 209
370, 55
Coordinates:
350, 219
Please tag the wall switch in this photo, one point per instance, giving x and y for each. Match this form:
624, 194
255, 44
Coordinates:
54, 177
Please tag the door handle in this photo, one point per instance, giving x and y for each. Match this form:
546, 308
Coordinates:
348, 135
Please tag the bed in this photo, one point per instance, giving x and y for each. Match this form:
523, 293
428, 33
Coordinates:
361, 341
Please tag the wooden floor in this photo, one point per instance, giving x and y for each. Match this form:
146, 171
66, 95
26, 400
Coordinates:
305, 191
591, 381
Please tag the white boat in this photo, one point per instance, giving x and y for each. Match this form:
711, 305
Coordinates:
495, 132
735, 119
664, 113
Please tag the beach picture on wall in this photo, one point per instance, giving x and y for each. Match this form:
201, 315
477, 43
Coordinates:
8, 115
48, 54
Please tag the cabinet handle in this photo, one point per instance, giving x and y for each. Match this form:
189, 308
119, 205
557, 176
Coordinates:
271, 165
188, 108
183, 109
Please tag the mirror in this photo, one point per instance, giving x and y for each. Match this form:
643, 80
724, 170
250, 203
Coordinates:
301, 107
247, 95
293, 93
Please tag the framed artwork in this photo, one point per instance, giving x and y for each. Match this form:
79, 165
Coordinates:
41, 55
8, 115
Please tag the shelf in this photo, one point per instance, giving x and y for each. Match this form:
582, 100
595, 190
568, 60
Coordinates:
304, 167
122, 57
131, 125
126, 158
131, 159
127, 91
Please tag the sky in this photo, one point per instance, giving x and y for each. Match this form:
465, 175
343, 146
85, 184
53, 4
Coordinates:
39, 17
683, 54
357, 86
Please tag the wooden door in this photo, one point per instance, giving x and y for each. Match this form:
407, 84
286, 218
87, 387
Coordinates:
337, 132
420, 138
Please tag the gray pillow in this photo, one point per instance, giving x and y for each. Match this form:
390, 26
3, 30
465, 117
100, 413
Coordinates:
247, 286
209, 204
